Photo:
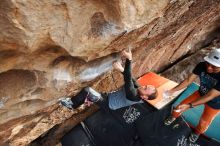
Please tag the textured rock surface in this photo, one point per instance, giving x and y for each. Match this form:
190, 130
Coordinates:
50, 49
182, 69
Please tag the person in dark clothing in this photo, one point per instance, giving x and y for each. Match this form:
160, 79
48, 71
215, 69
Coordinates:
134, 93
125, 105
208, 93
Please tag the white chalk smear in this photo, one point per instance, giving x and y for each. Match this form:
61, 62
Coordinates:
62, 75
95, 71
3, 100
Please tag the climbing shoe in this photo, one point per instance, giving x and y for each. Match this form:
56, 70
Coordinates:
169, 120
193, 137
66, 102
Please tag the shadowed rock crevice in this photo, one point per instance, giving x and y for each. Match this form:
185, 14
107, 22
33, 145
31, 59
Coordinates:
212, 39
10, 59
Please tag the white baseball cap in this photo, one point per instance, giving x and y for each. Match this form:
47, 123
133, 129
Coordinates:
213, 57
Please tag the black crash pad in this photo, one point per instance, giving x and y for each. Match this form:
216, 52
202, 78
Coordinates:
109, 128
104, 130
157, 134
